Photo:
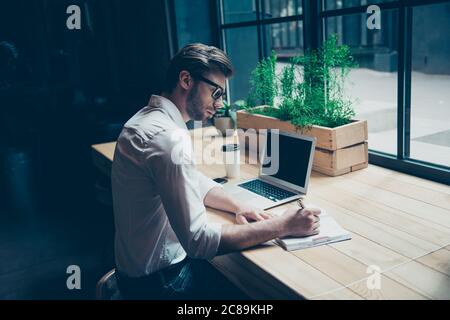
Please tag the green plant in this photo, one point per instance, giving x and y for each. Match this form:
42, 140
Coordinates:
229, 110
263, 82
309, 90
224, 111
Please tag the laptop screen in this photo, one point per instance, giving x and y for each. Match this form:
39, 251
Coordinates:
287, 158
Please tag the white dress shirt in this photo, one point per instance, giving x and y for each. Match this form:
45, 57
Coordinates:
158, 200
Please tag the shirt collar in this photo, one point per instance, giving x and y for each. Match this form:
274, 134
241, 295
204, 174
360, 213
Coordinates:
171, 109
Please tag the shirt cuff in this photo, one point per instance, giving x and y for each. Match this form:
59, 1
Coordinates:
206, 184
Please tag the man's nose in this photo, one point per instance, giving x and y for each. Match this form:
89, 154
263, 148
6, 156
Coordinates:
218, 103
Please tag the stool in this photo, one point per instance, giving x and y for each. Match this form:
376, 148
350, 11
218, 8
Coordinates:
107, 288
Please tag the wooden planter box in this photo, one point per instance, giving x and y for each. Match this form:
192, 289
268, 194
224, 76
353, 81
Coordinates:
338, 150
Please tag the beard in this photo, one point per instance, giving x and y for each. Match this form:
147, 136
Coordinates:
194, 105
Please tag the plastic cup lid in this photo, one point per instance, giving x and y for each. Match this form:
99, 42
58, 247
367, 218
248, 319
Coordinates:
230, 147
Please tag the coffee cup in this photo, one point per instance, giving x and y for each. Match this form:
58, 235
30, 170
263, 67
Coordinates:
232, 159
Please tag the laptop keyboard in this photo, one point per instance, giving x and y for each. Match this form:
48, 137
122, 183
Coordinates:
266, 190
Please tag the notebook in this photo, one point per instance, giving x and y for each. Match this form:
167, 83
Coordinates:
330, 232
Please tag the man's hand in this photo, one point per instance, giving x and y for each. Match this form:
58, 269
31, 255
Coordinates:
246, 214
302, 222
293, 222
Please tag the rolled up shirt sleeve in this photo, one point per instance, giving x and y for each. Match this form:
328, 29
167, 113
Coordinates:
206, 184
182, 189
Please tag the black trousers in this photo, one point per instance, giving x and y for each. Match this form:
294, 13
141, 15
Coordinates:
190, 279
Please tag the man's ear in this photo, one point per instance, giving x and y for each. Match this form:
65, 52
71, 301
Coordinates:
185, 80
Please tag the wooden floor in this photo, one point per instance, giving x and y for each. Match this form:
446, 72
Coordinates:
400, 226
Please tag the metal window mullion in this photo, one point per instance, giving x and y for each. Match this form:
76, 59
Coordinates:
400, 84
412, 167
220, 23
262, 21
358, 9
215, 22
264, 31
408, 70
297, 33
311, 24
258, 29
172, 34
221, 33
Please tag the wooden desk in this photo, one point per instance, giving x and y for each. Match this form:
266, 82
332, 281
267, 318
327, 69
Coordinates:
399, 223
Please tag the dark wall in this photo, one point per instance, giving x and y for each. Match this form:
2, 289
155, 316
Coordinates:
61, 91
72, 88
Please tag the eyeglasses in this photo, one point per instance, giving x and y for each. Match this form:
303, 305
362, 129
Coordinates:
218, 91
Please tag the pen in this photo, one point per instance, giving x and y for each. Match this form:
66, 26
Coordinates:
300, 203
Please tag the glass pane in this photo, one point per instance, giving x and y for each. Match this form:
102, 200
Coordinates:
242, 48
238, 10
373, 84
281, 8
193, 30
286, 38
430, 84
339, 4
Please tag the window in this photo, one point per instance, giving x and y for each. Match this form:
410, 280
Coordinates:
430, 84
401, 83
189, 30
373, 84
252, 29
242, 48
286, 38
281, 8
238, 11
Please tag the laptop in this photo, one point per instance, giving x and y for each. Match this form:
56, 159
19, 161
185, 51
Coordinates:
284, 172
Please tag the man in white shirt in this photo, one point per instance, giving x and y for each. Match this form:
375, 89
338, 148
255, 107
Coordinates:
163, 238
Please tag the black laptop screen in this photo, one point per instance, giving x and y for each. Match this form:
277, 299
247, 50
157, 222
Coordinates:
289, 161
